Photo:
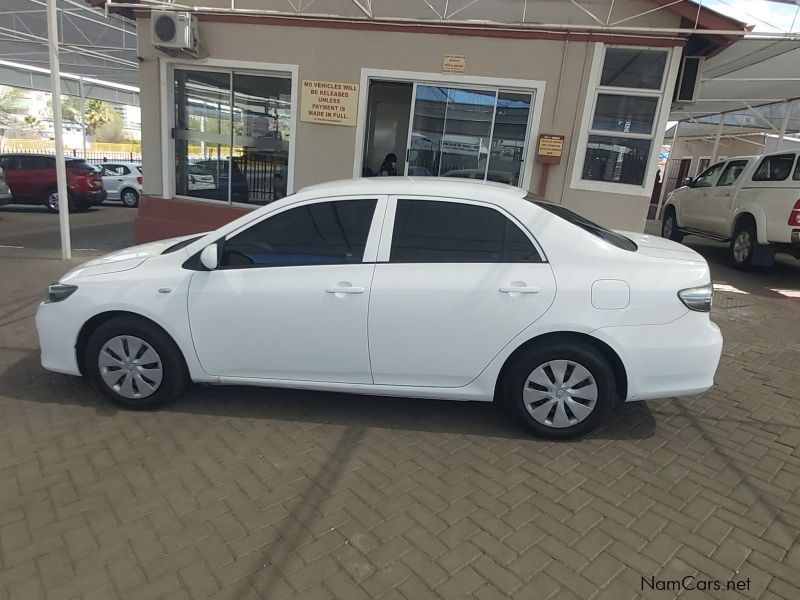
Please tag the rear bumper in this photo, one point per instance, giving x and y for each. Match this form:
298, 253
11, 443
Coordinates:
92, 198
664, 361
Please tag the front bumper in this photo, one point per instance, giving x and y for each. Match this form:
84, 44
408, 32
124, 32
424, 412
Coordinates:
664, 361
58, 335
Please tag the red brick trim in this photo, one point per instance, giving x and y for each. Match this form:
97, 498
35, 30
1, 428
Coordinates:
160, 218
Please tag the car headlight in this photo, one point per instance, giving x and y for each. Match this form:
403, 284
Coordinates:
698, 298
56, 292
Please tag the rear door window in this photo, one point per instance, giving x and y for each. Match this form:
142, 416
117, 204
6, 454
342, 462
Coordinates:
431, 231
774, 168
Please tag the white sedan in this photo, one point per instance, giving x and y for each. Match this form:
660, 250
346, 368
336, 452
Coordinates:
390, 286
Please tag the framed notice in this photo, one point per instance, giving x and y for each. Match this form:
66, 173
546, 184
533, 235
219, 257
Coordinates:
550, 148
329, 102
454, 63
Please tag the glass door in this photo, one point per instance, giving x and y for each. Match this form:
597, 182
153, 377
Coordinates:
468, 133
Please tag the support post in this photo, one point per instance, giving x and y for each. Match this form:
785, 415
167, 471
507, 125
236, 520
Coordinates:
83, 115
784, 125
61, 167
666, 170
715, 150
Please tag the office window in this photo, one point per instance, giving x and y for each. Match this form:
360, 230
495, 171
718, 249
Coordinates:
626, 102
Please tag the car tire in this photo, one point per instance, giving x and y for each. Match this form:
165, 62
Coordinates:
129, 197
533, 389
743, 245
669, 226
135, 363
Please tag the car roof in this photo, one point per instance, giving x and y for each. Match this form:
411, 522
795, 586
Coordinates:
415, 186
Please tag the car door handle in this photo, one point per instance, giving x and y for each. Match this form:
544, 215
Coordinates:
345, 289
519, 289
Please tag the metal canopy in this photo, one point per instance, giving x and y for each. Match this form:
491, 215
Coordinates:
91, 45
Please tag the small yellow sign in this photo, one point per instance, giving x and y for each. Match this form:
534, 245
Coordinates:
329, 102
551, 145
454, 63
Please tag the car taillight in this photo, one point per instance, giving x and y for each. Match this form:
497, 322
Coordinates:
794, 216
139, 180
698, 298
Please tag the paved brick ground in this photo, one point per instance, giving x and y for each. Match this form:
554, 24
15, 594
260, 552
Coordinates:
254, 493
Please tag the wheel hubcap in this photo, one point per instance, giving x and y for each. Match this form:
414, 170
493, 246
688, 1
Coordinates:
129, 198
130, 366
560, 393
54, 200
741, 246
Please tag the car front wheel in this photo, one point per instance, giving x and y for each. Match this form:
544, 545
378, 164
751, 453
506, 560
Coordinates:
560, 391
134, 363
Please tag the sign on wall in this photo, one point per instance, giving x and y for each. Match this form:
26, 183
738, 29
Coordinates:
454, 63
550, 148
329, 102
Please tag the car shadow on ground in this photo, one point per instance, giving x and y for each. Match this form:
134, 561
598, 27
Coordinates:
22, 380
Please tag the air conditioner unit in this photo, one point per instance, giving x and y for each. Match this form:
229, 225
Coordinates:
175, 32
688, 86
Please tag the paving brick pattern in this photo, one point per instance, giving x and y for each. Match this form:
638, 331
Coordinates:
245, 493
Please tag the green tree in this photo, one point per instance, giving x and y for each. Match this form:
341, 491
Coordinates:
11, 104
96, 114
31, 122
113, 131
70, 109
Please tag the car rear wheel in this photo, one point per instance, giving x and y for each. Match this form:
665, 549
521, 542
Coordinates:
130, 197
560, 391
51, 201
134, 363
669, 226
743, 245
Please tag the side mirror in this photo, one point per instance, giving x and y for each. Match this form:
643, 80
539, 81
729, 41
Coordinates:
687, 181
209, 257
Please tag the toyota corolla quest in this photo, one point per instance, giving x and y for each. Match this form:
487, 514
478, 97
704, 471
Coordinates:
422, 288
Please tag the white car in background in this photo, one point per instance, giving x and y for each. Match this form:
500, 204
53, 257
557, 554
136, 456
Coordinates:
432, 288
751, 202
122, 181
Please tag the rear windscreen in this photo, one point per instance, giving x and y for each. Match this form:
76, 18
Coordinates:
612, 237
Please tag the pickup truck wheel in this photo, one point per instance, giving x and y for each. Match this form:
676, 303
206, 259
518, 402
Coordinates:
743, 245
669, 226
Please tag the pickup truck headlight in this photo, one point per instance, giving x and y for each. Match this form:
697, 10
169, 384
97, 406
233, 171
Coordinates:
56, 292
698, 298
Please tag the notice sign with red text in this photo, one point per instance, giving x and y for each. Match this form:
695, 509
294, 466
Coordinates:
329, 102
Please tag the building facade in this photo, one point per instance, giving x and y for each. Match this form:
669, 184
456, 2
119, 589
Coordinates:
276, 103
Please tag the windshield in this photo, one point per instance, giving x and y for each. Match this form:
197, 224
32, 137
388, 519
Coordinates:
612, 237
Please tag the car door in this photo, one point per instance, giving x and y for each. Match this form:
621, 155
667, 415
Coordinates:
455, 282
692, 200
289, 299
718, 200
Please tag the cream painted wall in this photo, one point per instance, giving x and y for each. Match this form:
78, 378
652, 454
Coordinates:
326, 152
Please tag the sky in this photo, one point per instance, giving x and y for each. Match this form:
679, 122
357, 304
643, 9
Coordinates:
766, 16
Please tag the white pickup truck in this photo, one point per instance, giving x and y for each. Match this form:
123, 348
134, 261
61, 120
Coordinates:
753, 202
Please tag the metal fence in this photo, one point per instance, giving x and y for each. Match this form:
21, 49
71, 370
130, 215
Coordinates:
92, 157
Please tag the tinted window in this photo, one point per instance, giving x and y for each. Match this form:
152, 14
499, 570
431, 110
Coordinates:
37, 162
732, 172
8, 163
612, 237
326, 233
774, 168
633, 68
708, 177
452, 232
